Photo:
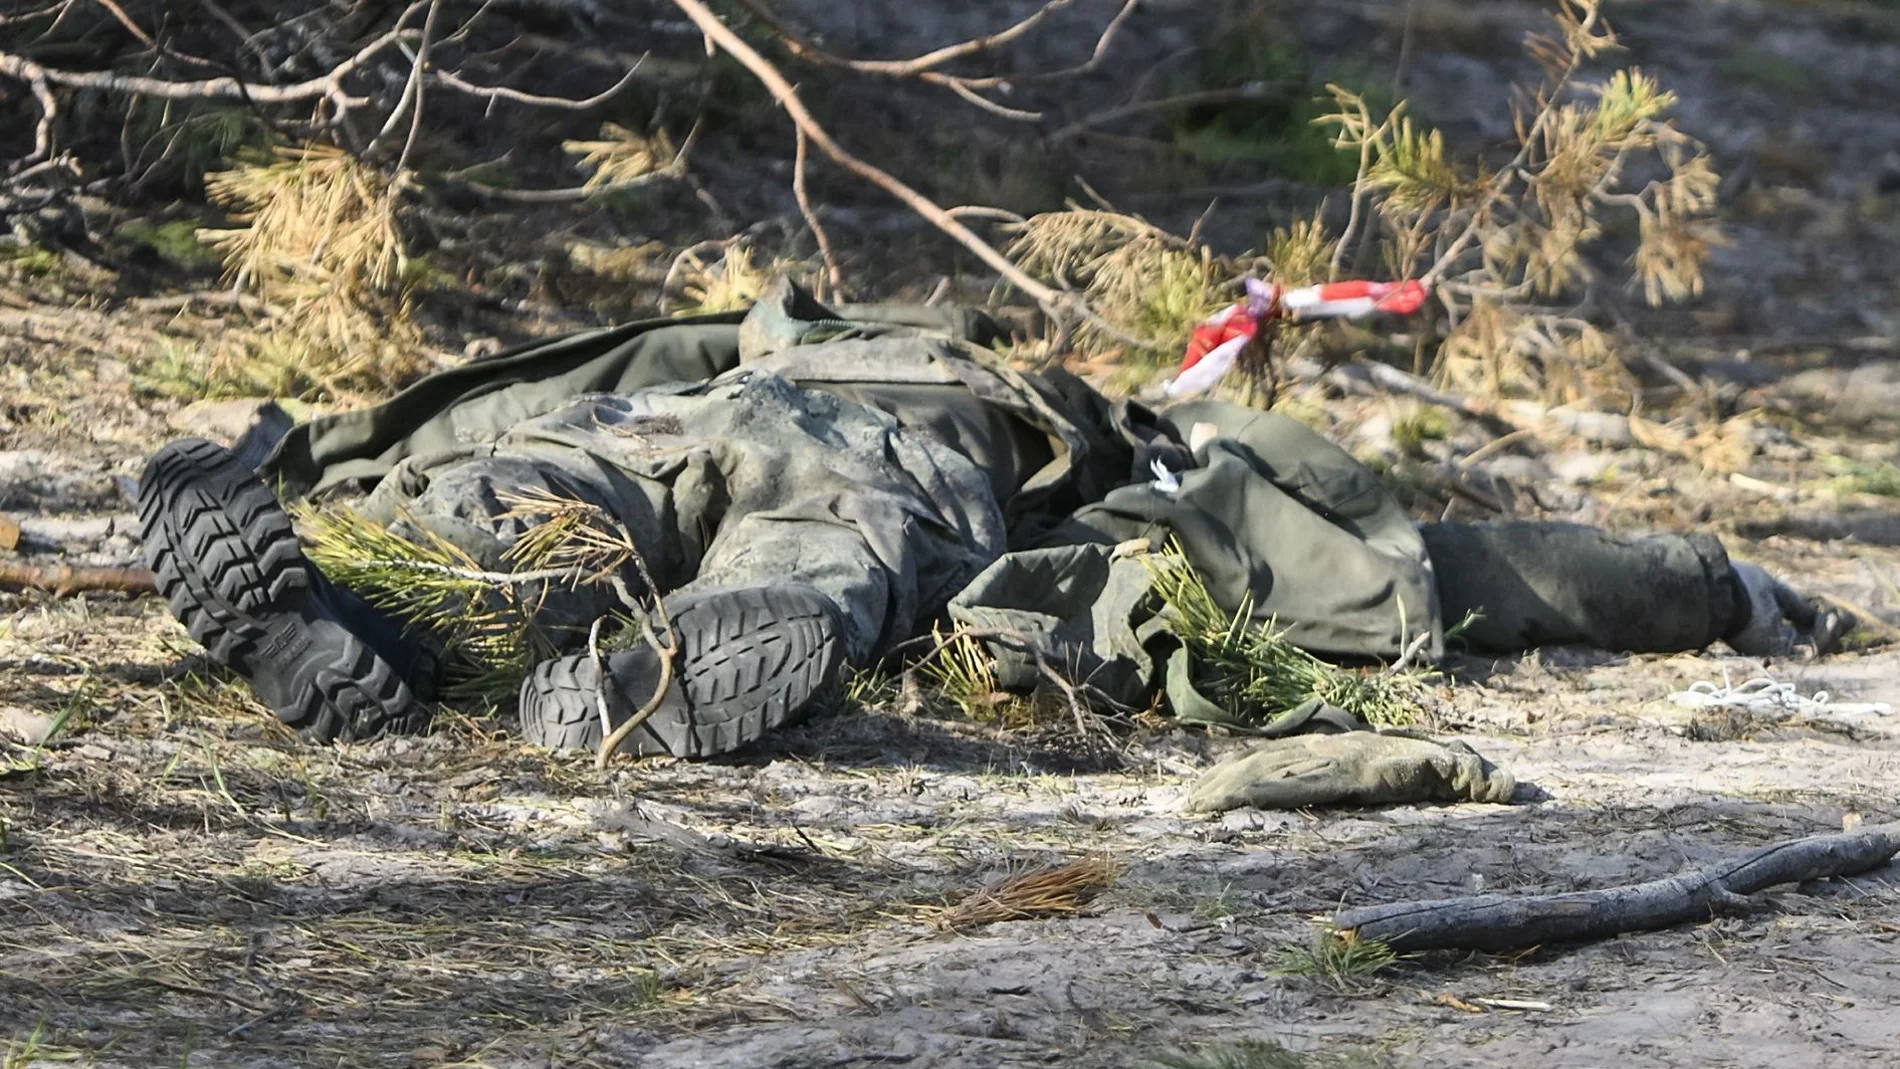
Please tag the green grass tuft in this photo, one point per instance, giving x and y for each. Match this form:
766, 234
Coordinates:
175, 241
1411, 432
1338, 961
33, 261
1859, 477
1264, 1054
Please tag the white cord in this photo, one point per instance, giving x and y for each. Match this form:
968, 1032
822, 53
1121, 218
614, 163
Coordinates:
1763, 693
1165, 481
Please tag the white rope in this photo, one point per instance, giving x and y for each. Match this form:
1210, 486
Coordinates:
1763, 693
1165, 481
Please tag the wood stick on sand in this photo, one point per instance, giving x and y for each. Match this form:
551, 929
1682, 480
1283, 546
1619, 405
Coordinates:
1507, 922
64, 579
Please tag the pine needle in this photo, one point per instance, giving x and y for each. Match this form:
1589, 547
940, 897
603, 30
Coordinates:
621, 155
1253, 672
321, 235
1143, 280
735, 281
430, 583
1048, 891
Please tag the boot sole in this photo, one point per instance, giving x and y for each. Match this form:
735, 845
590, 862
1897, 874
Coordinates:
229, 565
750, 661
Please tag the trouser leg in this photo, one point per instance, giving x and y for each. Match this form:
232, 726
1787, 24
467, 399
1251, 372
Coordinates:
1289, 525
1534, 584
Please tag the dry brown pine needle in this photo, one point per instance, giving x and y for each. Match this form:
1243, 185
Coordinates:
1049, 891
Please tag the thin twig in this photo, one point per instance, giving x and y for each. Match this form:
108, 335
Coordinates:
245, 37
1404, 64
1361, 189
811, 220
502, 92
957, 86
775, 83
1411, 652
600, 674
415, 86
667, 653
1249, 91
1496, 444
924, 67
902, 68
65, 579
1513, 169
126, 21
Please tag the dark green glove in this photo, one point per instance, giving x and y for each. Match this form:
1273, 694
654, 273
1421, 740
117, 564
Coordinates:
1356, 768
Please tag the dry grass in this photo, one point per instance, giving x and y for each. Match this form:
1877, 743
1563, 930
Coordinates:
1501, 349
1265, 1054
1048, 891
961, 678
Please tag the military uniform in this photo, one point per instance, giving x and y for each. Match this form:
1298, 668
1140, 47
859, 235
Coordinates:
884, 457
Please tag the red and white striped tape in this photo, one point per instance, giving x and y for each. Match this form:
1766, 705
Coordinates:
1217, 342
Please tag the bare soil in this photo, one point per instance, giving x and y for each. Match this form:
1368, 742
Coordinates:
184, 883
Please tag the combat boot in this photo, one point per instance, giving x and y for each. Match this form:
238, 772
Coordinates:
330, 665
749, 660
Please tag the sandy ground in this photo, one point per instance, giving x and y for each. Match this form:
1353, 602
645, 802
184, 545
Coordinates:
184, 884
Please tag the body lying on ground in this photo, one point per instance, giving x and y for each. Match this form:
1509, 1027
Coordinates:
809, 488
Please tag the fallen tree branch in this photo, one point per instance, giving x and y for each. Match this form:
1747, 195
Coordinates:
329, 86
65, 579
1053, 301
243, 302
1360, 376
924, 67
1505, 922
